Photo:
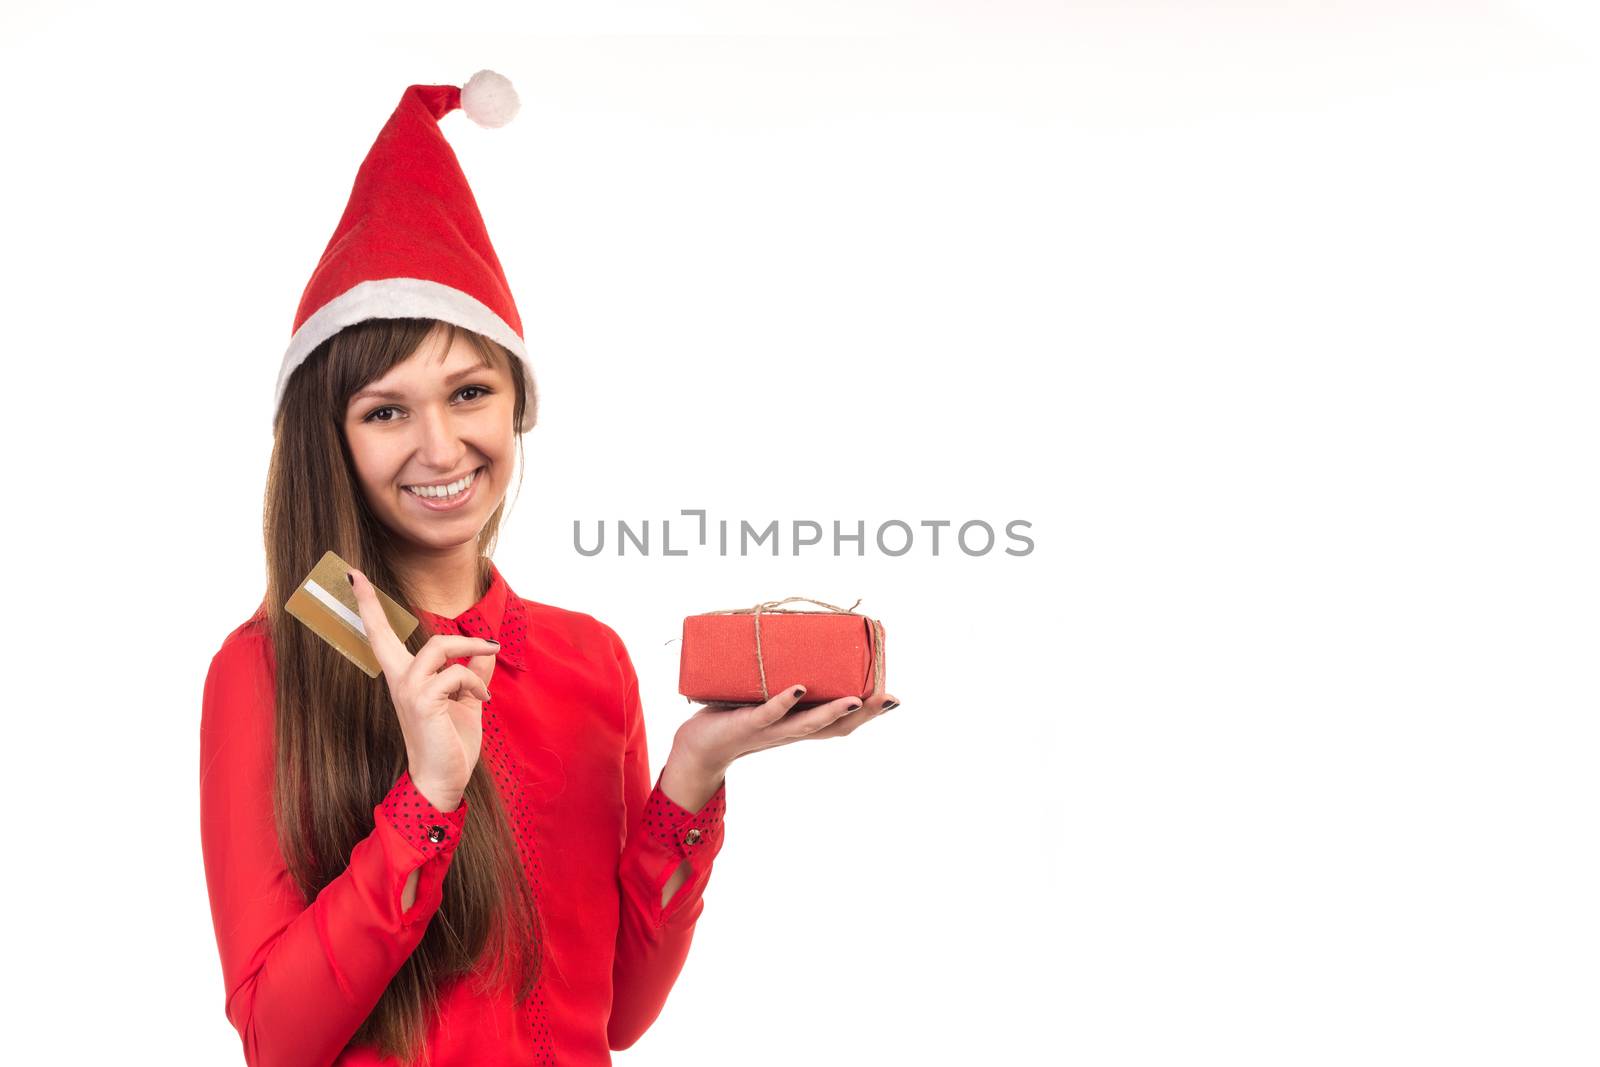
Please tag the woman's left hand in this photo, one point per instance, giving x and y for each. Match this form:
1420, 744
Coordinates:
714, 737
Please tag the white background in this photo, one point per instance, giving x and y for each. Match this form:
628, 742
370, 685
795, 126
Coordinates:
1275, 320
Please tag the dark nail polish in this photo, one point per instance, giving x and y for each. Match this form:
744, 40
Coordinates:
854, 706
349, 577
891, 704
800, 692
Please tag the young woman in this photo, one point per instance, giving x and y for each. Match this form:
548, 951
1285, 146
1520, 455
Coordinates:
464, 860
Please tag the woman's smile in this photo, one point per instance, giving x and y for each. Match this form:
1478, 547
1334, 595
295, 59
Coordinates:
451, 502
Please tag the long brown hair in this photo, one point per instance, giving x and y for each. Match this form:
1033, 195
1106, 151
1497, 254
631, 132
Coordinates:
339, 745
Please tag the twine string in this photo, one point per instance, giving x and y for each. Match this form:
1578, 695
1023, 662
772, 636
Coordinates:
774, 607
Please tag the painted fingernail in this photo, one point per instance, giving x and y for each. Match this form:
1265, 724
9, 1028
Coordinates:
891, 704
853, 707
349, 577
496, 644
800, 691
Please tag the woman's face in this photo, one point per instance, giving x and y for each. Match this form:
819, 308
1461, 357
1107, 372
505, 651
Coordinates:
432, 420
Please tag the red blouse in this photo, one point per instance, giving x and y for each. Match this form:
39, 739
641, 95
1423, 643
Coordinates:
564, 737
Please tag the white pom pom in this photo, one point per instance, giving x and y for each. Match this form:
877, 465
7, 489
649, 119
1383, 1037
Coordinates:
489, 100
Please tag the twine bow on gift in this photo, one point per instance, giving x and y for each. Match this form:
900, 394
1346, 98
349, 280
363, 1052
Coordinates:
771, 607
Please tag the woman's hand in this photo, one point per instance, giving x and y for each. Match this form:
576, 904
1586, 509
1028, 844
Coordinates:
440, 707
714, 737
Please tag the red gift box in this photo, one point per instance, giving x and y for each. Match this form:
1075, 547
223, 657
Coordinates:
745, 655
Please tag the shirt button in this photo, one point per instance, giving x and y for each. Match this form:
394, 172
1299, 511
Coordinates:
435, 834
692, 837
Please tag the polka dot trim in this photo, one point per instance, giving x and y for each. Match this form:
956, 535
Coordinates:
512, 633
499, 616
510, 772
432, 831
686, 832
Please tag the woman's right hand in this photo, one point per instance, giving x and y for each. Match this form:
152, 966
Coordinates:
440, 707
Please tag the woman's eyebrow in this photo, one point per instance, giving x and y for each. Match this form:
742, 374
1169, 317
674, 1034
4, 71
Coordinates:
384, 394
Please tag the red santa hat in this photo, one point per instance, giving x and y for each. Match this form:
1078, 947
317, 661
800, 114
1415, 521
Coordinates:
411, 243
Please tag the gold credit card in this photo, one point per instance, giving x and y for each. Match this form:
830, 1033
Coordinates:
326, 602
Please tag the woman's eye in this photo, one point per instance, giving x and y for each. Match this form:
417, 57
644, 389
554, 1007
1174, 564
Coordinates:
372, 416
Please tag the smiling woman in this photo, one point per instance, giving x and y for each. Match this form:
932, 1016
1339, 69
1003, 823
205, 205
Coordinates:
441, 419
380, 892
382, 405
406, 402
365, 916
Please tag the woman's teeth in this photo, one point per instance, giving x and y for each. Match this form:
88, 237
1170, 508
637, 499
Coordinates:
445, 490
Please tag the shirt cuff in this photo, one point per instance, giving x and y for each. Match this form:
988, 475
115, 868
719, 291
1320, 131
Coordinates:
686, 833
428, 829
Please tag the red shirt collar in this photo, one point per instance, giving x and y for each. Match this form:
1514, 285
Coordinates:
499, 616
